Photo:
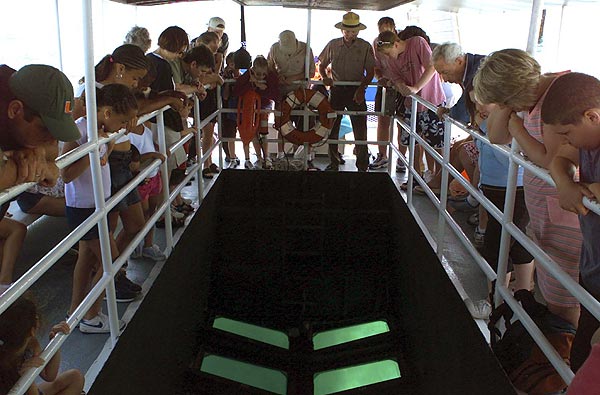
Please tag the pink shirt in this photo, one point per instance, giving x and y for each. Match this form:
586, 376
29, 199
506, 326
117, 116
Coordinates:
587, 380
409, 66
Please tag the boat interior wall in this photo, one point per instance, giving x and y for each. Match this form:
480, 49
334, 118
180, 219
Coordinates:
294, 254
380, 5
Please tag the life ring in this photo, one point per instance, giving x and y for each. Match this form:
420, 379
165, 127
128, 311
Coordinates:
248, 115
315, 101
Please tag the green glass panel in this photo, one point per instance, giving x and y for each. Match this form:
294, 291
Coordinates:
264, 335
348, 378
344, 335
245, 373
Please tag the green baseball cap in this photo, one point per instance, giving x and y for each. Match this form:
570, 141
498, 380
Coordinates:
49, 92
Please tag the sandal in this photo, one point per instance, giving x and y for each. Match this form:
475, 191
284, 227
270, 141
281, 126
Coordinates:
213, 168
176, 223
206, 173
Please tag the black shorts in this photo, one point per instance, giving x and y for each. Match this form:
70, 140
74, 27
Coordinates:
28, 200
518, 255
394, 102
76, 216
209, 105
120, 175
228, 127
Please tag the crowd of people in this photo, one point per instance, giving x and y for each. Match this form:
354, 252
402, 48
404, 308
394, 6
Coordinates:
554, 117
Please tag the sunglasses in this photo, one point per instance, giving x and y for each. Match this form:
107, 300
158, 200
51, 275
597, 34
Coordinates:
382, 43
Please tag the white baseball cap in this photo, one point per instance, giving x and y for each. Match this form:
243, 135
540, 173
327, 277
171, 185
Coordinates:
216, 23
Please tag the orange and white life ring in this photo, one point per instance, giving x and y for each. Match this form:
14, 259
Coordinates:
315, 101
248, 115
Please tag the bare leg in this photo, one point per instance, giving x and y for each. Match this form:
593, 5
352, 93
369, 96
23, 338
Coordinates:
88, 271
247, 151
49, 205
207, 141
383, 133
257, 149
524, 276
12, 234
67, 383
133, 222
570, 314
231, 145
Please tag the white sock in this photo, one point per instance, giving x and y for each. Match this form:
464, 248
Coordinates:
472, 201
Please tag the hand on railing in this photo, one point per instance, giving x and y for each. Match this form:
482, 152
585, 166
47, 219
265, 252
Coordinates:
571, 196
175, 99
441, 111
405, 90
31, 166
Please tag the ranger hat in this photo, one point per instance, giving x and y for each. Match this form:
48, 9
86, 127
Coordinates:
351, 22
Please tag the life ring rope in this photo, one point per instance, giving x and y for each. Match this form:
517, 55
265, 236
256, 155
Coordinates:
314, 100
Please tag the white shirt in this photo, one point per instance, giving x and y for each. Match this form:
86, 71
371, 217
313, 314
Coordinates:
79, 193
143, 142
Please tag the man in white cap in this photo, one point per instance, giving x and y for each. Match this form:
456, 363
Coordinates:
351, 60
217, 25
288, 58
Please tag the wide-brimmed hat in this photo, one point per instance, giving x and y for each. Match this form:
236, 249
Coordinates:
287, 42
351, 22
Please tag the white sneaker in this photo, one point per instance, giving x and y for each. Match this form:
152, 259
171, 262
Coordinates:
480, 310
280, 155
248, 164
98, 324
268, 164
153, 253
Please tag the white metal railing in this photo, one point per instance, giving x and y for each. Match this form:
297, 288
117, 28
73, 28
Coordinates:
504, 217
111, 268
99, 217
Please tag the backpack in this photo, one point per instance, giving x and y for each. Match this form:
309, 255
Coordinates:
524, 362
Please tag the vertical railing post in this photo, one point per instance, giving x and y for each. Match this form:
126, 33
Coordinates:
444, 187
411, 151
390, 141
220, 123
162, 147
507, 217
199, 153
96, 167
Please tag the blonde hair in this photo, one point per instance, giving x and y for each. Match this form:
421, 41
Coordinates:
509, 77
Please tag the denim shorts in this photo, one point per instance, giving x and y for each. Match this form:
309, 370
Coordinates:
76, 216
120, 175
